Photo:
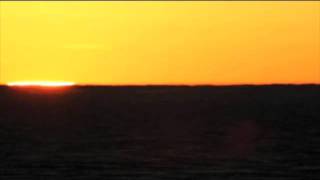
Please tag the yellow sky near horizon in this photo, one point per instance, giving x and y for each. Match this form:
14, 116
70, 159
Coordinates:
160, 42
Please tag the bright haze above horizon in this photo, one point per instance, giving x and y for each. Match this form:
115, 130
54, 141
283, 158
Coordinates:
136, 43
40, 84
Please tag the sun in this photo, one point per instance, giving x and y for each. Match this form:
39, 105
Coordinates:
41, 84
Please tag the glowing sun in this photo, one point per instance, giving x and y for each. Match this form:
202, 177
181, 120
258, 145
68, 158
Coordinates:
41, 84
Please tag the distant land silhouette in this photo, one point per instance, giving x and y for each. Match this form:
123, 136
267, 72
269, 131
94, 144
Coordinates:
236, 132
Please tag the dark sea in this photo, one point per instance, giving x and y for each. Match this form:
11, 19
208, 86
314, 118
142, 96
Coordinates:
160, 133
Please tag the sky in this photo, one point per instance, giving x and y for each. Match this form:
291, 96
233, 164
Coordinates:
124, 43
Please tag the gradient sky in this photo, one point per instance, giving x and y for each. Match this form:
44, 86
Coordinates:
160, 42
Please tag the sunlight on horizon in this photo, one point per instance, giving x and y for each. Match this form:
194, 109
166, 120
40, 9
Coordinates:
41, 84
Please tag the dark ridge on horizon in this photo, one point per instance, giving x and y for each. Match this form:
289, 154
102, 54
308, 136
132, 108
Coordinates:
180, 85
160, 132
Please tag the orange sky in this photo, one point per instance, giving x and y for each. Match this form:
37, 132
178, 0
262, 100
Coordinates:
160, 42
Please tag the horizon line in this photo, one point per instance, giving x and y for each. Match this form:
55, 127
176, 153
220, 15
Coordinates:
186, 85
